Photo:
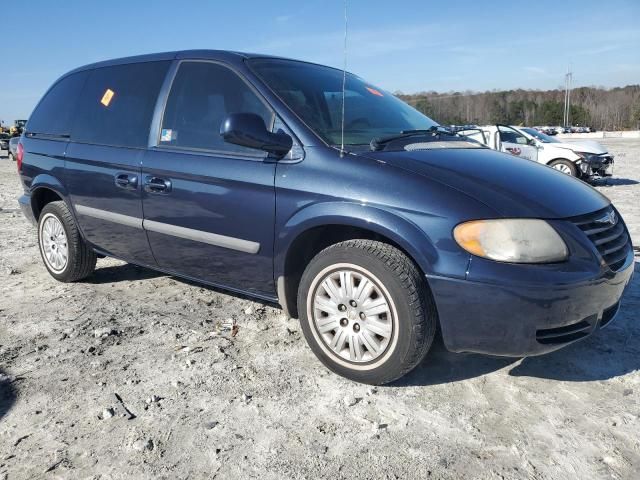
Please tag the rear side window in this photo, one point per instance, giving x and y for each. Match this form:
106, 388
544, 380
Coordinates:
117, 104
53, 115
202, 96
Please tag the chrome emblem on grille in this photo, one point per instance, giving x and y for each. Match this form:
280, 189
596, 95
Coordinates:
609, 217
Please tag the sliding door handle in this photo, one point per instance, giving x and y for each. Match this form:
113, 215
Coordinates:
157, 185
126, 180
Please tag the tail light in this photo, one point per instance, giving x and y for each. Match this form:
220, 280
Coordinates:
19, 156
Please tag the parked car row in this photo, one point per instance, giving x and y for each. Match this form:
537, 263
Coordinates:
566, 129
547, 130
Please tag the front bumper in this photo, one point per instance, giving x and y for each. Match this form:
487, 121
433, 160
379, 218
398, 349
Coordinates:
523, 320
598, 166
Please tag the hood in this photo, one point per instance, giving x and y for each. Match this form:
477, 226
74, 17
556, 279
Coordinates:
587, 146
513, 187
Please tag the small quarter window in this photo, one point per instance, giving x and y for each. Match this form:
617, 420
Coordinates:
203, 94
53, 115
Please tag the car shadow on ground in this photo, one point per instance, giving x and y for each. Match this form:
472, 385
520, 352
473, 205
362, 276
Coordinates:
613, 182
608, 353
591, 359
8, 394
131, 272
122, 273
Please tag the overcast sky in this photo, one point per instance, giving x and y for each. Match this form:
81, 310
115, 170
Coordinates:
403, 45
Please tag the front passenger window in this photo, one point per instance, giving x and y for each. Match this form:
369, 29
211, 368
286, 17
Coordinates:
203, 94
509, 135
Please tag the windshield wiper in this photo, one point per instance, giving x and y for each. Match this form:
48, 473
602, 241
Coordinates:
435, 131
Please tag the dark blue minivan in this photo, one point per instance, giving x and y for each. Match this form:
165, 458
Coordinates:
356, 213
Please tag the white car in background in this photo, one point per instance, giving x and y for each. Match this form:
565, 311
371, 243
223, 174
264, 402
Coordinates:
583, 159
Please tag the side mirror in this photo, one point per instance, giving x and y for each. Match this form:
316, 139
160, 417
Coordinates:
249, 130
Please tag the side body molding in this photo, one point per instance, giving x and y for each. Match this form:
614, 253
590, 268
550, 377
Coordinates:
173, 230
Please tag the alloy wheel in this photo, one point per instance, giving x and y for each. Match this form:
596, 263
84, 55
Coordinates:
353, 314
53, 242
562, 168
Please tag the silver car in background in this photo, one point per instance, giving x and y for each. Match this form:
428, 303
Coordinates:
13, 148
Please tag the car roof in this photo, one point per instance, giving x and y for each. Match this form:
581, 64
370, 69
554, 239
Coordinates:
221, 55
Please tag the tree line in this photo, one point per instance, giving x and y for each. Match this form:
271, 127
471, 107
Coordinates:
603, 109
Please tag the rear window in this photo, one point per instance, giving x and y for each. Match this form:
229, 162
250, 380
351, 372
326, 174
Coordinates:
117, 104
54, 113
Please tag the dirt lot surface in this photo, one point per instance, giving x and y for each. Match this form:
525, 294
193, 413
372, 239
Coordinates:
134, 374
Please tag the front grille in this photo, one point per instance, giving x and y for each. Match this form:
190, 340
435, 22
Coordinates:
608, 233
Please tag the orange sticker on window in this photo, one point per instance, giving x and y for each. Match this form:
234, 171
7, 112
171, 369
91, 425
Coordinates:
374, 92
107, 97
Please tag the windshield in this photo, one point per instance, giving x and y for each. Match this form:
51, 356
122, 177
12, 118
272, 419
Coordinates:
544, 138
314, 93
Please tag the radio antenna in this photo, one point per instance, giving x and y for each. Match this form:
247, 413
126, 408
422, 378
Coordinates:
344, 80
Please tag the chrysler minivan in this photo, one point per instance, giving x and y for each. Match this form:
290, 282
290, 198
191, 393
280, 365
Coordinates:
356, 213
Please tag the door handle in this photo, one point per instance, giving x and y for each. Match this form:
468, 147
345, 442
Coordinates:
126, 180
157, 185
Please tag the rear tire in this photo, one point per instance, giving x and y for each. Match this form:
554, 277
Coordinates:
65, 254
366, 311
565, 166
11, 157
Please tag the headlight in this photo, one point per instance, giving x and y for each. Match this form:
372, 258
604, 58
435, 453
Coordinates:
512, 240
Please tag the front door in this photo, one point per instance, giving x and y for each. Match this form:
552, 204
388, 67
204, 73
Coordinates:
515, 143
209, 206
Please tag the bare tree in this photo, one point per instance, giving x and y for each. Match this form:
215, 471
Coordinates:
600, 108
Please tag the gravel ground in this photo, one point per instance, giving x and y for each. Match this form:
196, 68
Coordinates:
135, 374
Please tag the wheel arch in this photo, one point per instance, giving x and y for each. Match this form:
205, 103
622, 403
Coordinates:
575, 162
316, 227
46, 189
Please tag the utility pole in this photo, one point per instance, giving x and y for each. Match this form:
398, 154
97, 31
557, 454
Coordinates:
567, 96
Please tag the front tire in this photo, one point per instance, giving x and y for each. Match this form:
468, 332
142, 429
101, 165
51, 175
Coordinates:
65, 254
366, 311
565, 166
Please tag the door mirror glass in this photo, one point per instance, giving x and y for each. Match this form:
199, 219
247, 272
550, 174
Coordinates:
249, 130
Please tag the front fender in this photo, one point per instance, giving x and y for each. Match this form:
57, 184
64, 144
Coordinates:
397, 228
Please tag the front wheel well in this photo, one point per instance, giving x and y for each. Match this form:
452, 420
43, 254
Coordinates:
307, 245
41, 197
563, 159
